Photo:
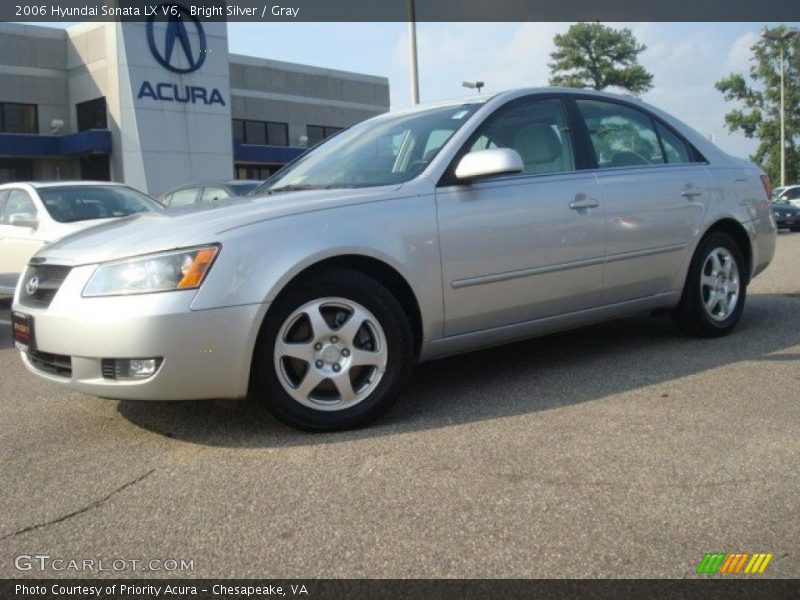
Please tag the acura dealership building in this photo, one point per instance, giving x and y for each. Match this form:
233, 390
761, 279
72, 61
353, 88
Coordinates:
159, 103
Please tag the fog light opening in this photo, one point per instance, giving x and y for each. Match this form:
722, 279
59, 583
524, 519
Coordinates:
130, 368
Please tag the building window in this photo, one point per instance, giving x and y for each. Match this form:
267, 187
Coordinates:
238, 131
15, 169
260, 133
18, 118
260, 172
92, 114
317, 133
95, 168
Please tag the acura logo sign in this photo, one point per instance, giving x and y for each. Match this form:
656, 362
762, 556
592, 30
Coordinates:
32, 286
176, 51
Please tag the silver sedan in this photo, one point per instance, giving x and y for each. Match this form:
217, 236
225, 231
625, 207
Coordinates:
410, 236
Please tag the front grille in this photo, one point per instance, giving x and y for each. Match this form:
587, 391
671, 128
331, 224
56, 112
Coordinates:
40, 284
55, 364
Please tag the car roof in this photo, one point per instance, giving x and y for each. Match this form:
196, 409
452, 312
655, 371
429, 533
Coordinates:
64, 183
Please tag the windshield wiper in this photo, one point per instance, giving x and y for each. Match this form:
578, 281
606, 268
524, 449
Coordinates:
297, 188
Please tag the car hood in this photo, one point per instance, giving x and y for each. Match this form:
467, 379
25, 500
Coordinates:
157, 231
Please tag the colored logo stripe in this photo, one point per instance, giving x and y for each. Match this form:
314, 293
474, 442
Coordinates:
734, 562
711, 562
758, 563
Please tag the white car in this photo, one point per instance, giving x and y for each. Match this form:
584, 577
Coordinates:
35, 214
789, 194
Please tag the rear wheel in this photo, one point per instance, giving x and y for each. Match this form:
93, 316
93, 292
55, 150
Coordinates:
333, 354
715, 290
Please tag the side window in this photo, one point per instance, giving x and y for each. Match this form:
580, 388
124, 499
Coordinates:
183, 197
676, 150
792, 194
210, 194
621, 136
3, 196
18, 202
537, 129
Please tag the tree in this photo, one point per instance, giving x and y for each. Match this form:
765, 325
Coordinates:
597, 56
759, 116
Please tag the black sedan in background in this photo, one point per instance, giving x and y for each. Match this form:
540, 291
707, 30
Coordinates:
787, 216
203, 193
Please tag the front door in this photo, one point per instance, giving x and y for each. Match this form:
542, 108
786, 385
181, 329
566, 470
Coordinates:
521, 247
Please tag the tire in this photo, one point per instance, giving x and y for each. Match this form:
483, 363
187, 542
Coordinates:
301, 367
725, 278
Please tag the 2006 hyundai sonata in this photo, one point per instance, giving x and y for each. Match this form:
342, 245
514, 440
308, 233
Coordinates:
408, 237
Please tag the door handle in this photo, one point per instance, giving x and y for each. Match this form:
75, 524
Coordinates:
691, 193
581, 201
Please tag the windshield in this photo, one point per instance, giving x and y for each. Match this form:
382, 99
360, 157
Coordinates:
87, 202
384, 151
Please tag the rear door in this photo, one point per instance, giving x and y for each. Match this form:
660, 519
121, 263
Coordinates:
654, 187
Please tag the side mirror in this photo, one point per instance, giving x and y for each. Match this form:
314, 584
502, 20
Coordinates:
23, 220
483, 163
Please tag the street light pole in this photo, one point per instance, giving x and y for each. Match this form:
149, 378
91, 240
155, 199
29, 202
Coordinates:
783, 122
412, 50
781, 36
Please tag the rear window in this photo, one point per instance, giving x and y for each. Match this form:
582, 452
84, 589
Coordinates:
69, 204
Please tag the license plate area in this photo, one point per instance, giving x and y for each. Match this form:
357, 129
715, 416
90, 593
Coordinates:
22, 331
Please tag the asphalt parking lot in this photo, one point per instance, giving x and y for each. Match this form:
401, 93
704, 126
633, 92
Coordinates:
622, 450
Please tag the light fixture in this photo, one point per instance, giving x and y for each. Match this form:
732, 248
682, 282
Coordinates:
473, 85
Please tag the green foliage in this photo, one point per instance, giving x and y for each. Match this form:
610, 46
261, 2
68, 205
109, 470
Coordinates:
759, 99
597, 56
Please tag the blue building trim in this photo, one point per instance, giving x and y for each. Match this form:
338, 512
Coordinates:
94, 141
265, 154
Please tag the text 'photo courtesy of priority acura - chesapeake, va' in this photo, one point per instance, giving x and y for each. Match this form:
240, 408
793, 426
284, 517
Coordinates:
410, 236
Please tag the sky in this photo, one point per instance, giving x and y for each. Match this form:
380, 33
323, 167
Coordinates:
686, 59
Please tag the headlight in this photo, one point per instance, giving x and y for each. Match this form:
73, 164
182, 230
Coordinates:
176, 270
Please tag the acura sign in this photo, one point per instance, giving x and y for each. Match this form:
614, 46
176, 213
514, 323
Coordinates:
177, 32
180, 48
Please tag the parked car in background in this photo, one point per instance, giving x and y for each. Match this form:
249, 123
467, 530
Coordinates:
204, 193
33, 215
410, 236
787, 216
789, 193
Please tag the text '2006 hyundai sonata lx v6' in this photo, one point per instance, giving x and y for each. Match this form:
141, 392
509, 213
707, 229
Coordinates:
410, 236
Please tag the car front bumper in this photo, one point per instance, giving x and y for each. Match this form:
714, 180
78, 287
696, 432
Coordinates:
205, 354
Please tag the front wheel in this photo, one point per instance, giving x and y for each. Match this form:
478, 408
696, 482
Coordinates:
716, 287
333, 354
